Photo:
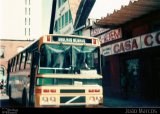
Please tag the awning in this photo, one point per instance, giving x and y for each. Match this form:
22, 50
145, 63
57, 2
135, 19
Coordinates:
134, 10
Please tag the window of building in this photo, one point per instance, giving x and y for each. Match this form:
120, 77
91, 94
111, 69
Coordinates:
29, 2
25, 31
25, 2
25, 11
1, 71
56, 26
70, 16
59, 22
61, 2
29, 21
29, 11
25, 21
63, 21
66, 18
29, 30
2, 49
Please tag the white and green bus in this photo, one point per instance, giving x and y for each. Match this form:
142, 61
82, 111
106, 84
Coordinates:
57, 70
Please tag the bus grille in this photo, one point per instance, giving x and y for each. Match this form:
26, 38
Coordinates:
72, 91
72, 99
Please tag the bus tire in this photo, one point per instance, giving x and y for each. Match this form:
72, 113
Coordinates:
10, 92
24, 98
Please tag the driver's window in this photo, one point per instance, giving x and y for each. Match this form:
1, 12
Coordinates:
58, 60
82, 61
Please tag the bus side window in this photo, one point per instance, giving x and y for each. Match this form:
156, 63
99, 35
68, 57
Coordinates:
15, 63
12, 65
18, 62
28, 61
23, 56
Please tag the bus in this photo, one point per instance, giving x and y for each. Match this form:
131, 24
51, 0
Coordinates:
57, 70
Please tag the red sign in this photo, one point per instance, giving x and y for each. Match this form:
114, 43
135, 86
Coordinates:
111, 35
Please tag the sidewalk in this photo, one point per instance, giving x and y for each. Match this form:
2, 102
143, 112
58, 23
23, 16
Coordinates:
3, 97
119, 103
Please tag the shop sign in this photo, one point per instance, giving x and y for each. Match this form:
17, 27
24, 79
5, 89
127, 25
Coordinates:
140, 42
127, 45
150, 40
106, 50
97, 31
111, 35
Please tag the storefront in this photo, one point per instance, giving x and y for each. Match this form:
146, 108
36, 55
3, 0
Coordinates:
131, 51
131, 67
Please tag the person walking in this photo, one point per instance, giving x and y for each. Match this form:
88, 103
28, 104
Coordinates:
2, 87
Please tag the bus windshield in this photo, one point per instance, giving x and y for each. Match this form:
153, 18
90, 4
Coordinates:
67, 59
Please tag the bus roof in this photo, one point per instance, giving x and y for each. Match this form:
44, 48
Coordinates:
63, 35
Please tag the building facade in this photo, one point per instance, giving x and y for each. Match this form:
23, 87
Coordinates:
20, 25
71, 16
26, 21
8, 49
65, 16
131, 52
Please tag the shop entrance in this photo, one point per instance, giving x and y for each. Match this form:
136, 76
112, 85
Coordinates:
130, 77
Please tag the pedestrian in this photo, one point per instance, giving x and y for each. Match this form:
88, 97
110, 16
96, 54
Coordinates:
2, 87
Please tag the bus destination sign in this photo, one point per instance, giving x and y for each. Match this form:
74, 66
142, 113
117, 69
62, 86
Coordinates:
71, 40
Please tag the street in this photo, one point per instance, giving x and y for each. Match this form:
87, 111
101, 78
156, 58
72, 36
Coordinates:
108, 103
4, 101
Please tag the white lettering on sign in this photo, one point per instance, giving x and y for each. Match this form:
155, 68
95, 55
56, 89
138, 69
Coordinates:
71, 40
76, 40
140, 42
111, 35
97, 31
107, 50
